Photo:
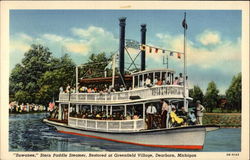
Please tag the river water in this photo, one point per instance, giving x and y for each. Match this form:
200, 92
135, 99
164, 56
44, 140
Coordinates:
28, 133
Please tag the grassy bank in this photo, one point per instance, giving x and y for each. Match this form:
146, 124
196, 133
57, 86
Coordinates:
223, 119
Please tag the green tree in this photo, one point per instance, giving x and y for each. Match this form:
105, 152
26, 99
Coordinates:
196, 93
233, 93
24, 77
211, 96
95, 66
39, 76
61, 74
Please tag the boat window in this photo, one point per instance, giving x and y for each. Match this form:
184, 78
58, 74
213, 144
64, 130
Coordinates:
117, 113
134, 111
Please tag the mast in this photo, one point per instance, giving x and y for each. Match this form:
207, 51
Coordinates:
113, 70
184, 24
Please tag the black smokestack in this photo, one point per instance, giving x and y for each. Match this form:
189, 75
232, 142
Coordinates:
122, 44
143, 41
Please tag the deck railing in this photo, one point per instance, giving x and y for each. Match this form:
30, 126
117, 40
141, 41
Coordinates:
171, 91
107, 125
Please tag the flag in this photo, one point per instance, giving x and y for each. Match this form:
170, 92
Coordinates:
142, 47
156, 50
184, 24
171, 53
179, 55
150, 50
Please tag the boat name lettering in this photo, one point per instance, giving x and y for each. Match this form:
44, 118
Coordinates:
166, 91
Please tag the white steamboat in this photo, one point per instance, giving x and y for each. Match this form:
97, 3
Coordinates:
132, 130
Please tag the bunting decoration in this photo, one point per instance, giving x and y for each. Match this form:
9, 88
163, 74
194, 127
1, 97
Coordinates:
179, 55
156, 50
152, 49
142, 47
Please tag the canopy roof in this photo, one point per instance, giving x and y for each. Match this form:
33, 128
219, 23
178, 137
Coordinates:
128, 78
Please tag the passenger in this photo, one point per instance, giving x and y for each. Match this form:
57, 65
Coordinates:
199, 111
165, 113
135, 116
61, 89
182, 113
89, 90
159, 82
174, 118
151, 111
148, 82
192, 117
122, 88
176, 81
98, 116
168, 83
164, 81
68, 89
155, 81
128, 117
180, 80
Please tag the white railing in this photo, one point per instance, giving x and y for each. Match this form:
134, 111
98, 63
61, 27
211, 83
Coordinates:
107, 125
171, 91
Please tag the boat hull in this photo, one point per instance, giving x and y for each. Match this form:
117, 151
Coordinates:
192, 137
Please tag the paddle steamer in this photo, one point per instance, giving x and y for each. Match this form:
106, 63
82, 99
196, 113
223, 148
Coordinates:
128, 103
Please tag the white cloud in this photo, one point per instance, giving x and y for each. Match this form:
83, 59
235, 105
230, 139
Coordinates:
20, 43
90, 40
76, 47
209, 37
97, 39
52, 37
226, 53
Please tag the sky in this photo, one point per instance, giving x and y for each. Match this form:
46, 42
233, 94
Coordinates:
213, 47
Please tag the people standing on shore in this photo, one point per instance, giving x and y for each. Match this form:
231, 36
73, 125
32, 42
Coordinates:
199, 112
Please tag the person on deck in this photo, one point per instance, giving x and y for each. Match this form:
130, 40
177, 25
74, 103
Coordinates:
148, 82
174, 118
165, 110
181, 80
159, 82
68, 88
199, 112
176, 81
61, 89
151, 111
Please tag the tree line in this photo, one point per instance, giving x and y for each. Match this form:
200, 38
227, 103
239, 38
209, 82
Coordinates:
212, 101
39, 76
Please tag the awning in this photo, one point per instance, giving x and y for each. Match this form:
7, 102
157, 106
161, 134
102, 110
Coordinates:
128, 78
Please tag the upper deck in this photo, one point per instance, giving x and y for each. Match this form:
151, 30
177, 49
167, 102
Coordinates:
138, 90
139, 94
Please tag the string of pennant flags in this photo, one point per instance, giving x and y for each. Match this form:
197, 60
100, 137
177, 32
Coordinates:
151, 49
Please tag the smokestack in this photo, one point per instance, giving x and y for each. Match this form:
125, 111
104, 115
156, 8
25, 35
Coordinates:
122, 44
143, 41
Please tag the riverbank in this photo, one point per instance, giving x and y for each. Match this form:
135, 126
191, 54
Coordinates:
225, 120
